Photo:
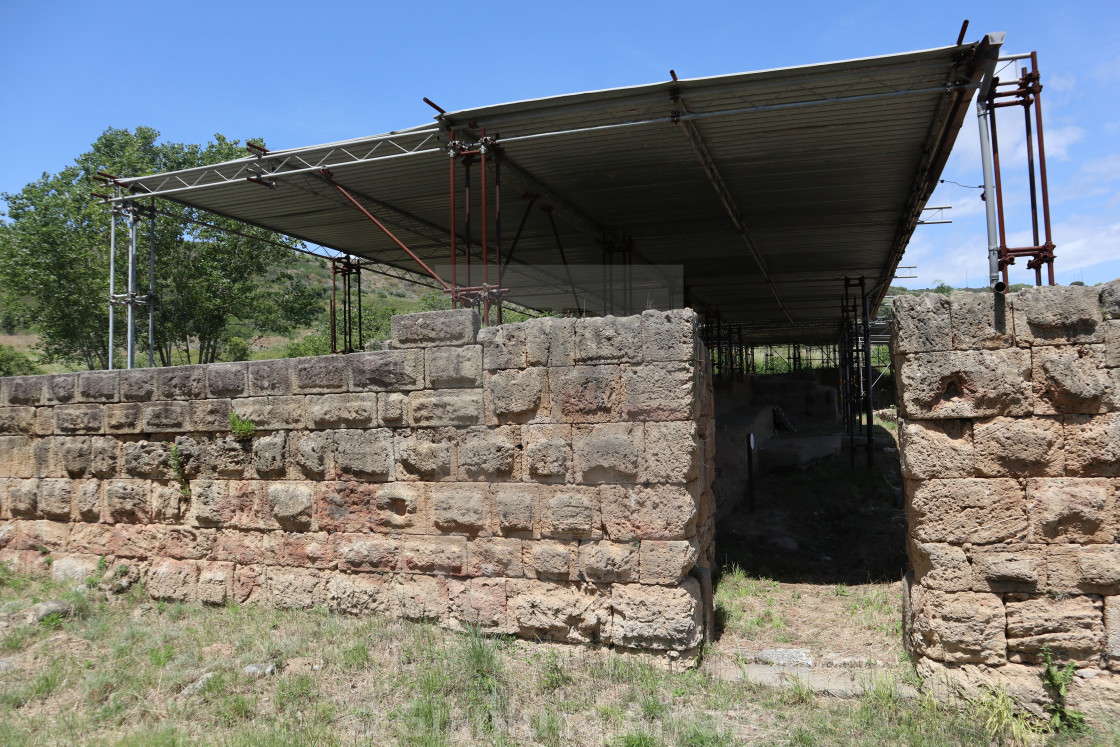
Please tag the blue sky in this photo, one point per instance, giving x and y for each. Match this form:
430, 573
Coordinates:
304, 73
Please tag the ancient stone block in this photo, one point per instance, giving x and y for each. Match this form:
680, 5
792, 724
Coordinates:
668, 335
494, 556
922, 324
227, 379
173, 580
342, 410
1072, 627
209, 502
272, 377
19, 420
939, 566
320, 373
979, 321
387, 370
365, 552
967, 510
228, 457
1057, 315
1018, 447
180, 382
672, 452
78, 419
657, 617
965, 384
585, 394
127, 501
165, 501
104, 456
73, 567
311, 452
210, 415
55, 499
967, 627
60, 388
570, 513
447, 555
561, 342
345, 506
1008, 567
548, 452
560, 612
215, 583
392, 408
42, 422
446, 407
137, 384
1112, 343
359, 595
124, 418
459, 508
1072, 510
420, 598
400, 507
632, 512
364, 453
245, 547
608, 339
16, 457
516, 345
97, 386
435, 328
165, 417
936, 448
1097, 568
602, 561
661, 391
269, 454
145, 459
489, 454
291, 504
248, 581
424, 454
23, 390
1071, 379
306, 549
516, 509
273, 413
291, 588
1112, 631
479, 601
667, 561
517, 396
607, 453
453, 368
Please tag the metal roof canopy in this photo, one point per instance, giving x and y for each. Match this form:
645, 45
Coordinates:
769, 188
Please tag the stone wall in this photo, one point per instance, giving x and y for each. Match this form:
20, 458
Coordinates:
1010, 448
546, 479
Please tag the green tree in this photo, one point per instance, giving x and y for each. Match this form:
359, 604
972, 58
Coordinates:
210, 285
15, 363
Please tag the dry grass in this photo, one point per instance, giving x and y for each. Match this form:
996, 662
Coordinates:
116, 673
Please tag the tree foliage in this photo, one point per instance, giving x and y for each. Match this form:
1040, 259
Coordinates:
211, 286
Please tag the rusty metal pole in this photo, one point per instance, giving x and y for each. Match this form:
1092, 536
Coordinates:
454, 226
1042, 169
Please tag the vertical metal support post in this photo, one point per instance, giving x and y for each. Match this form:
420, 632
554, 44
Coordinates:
358, 272
868, 403
485, 259
131, 296
334, 304
152, 285
112, 272
467, 212
994, 280
1042, 167
454, 228
498, 225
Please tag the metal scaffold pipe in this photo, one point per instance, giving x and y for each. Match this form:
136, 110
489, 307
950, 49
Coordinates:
112, 276
131, 297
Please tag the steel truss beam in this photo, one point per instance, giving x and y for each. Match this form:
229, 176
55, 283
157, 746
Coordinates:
700, 148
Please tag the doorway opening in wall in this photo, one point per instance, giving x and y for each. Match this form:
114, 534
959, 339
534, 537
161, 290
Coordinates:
810, 538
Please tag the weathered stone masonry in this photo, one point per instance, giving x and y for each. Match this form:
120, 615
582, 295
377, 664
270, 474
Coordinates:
1010, 447
547, 479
